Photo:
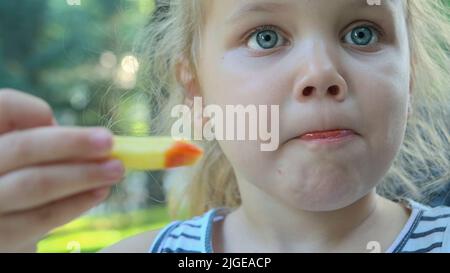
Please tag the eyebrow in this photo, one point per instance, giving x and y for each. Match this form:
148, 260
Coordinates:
273, 7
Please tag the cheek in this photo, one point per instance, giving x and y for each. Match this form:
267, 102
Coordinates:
232, 80
383, 97
238, 80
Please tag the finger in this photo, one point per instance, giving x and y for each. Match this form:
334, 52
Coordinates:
54, 122
28, 226
52, 144
36, 186
19, 110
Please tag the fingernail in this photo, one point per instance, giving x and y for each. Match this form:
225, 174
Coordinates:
113, 169
101, 140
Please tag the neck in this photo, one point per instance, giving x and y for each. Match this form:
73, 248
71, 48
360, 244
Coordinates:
264, 218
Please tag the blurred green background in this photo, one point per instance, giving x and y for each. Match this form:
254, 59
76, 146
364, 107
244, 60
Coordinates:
77, 55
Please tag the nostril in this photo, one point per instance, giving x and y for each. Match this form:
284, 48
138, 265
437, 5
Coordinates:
333, 90
308, 91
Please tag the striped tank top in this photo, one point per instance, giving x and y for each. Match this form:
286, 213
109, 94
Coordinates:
427, 230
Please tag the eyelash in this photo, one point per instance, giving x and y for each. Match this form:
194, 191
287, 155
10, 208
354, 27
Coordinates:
276, 29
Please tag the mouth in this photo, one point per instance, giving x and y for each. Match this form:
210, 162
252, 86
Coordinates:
328, 136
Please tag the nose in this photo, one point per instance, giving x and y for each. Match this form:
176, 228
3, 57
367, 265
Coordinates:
320, 78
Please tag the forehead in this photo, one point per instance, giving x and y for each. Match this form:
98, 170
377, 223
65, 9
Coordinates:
230, 10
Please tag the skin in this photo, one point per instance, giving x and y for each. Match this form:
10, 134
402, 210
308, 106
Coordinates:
313, 186
322, 198
49, 174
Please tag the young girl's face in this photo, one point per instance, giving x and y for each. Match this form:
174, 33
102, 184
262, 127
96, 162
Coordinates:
341, 64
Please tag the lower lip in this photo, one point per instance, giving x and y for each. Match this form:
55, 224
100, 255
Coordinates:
329, 137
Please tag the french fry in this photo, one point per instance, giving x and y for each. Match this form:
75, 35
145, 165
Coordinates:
154, 153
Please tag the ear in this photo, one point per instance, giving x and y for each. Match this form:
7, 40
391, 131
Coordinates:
191, 87
186, 78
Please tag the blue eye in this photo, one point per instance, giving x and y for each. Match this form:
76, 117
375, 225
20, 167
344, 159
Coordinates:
362, 36
265, 39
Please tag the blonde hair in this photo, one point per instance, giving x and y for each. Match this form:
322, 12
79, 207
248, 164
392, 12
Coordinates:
422, 165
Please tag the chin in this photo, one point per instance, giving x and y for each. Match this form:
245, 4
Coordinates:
323, 194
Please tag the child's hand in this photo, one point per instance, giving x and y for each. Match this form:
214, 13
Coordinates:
49, 174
